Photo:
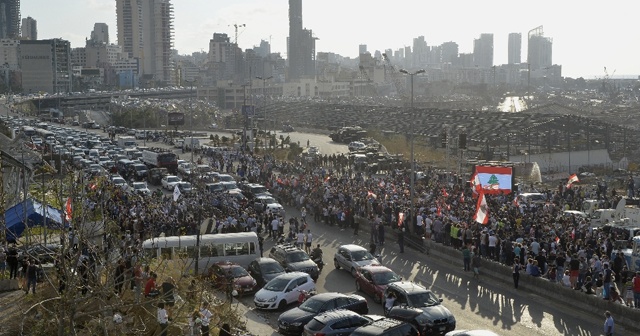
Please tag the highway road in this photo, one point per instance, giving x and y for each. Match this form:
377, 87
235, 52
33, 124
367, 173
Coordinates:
476, 305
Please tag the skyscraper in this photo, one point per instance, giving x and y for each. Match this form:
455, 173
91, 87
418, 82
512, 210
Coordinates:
29, 29
362, 49
145, 31
100, 33
449, 52
515, 48
10, 19
539, 53
483, 51
301, 45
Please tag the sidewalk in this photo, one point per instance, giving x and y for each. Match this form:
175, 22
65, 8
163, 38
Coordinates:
256, 323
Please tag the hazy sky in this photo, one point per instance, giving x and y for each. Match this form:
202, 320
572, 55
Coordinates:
587, 35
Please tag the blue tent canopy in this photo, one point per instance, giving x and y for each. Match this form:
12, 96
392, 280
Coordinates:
14, 218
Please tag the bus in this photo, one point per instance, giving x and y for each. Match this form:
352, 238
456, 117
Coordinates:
44, 134
240, 248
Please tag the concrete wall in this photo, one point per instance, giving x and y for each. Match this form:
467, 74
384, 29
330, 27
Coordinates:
560, 161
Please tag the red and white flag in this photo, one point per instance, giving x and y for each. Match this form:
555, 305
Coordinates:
573, 178
462, 198
516, 203
475, 184
67, 215
444, 192
482, 210
439, 211
400, 218
371, 194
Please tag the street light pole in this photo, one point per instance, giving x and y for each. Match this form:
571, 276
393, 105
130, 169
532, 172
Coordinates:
413, 172
191, 81
264, 103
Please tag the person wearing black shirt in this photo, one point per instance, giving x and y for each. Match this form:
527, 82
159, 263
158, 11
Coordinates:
168, 291
12, 260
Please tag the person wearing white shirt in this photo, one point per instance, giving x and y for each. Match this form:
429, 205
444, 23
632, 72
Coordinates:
493, 240
535, 247
300, 239
163, 319
419, 224
205, 318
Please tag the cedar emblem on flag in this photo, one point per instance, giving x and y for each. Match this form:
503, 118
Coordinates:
573, 178
482, 210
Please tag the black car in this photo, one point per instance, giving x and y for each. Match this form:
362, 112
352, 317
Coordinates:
294, 259
292, 321
264, 270
419, 306
387, 327
338, 322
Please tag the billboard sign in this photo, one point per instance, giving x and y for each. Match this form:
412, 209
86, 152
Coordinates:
248, 110
175, 118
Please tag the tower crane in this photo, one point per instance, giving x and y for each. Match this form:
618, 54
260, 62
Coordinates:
236, 26
371, 85
395, 77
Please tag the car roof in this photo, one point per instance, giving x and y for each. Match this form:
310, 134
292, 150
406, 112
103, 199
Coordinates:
408, 287
383, 324
352, 247
376, 268
265, 260
334, 314
292, 275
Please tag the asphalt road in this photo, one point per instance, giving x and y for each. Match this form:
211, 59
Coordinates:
476, 305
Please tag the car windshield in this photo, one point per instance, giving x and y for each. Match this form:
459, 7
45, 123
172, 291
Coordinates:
237, 272
385, 278
259, 190
172, 179
139, 186
140, 167
119, 181
271, 268
185, 185
312, 306
268, 200
424, 299
361, 255
276, 285
298, 256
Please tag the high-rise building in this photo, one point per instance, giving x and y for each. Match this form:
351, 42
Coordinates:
145, 31
539, 50
362, 49
483, 51
515, 48
449, 52
46, 66
10, 19
100, 33
420, 52
301, 45
29, 28
9, 53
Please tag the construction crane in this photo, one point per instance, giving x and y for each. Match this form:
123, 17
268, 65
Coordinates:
236, 26
606, 85
395, 77
371, 85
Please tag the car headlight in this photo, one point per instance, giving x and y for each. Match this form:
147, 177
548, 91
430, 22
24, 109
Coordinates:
273, 299
296, 324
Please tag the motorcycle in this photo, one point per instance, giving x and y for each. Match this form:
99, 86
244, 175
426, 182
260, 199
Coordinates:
319, 262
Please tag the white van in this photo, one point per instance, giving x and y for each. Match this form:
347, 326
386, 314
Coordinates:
240, 248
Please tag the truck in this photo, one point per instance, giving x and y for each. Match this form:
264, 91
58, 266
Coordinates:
126, 141
622, 215
348, 134
156, 158
631, 255
192, 142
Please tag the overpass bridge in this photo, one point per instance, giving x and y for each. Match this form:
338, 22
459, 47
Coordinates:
101, 100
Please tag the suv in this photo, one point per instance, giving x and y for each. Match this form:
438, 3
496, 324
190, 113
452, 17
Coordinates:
251, 190
420, 307
386, 327
294, 259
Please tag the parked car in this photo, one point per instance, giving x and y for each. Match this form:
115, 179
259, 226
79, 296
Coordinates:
283, 290
374, 280
169, 182
338, 322
420, 307
351, 257
185, 187
225, 273
292, 321
264, 270
140, 188
294, 259
356, 145
387, 327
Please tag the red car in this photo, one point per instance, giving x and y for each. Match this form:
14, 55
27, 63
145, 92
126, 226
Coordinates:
373, 280
225, 272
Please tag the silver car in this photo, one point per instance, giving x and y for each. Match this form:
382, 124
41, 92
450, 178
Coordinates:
351, 257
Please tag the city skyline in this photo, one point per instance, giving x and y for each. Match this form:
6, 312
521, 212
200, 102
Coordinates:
583, 44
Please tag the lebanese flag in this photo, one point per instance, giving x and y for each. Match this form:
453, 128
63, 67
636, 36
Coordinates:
573, 178
439, 212
444, 193
67, 215
462, 198
516, 203
476, 187
482, 211
448, 207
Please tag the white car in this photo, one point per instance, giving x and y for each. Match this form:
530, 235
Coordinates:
140, 188
283, 290
356, 145
119, 182
169, 182
184, 168
351, 257
313, 150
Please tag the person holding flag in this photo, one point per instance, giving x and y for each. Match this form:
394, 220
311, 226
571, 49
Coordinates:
572, 179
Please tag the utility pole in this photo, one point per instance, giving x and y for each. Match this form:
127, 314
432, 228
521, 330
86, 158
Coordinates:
264, 104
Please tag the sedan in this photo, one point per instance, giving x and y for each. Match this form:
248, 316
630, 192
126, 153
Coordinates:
292, 321
169, 182
351, 257
184, 187
283, 290
373, 280
140, 188
338, 322
118, 181
225, 273
264, 270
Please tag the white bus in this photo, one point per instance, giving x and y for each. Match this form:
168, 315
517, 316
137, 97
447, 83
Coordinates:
240, 248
